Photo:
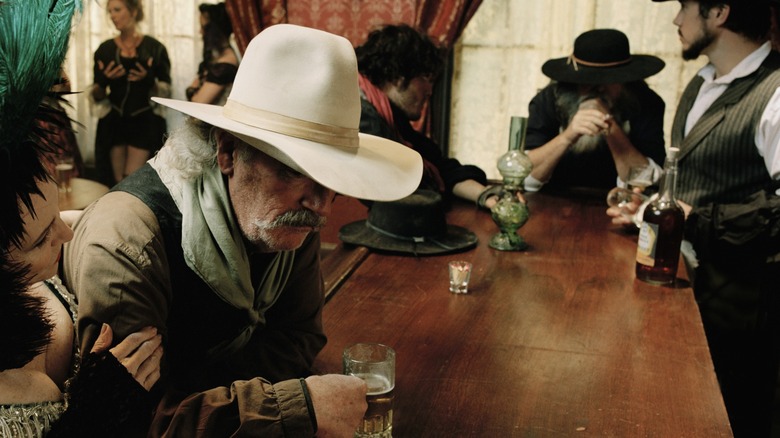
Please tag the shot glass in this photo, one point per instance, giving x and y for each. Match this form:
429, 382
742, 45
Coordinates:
460, 274
375, 364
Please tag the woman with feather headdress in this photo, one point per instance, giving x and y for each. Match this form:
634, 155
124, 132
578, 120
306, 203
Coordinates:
44, 388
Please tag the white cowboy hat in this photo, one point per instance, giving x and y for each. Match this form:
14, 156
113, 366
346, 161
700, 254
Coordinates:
296, 98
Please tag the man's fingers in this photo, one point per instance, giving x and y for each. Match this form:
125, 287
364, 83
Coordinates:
149, 371
103, 341
133, 341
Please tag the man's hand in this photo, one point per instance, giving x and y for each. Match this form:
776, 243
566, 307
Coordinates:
592, 118
622, 214
686, 208
339, 403
140, 353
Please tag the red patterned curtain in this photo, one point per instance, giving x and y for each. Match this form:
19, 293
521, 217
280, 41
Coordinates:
249, 17
443, 20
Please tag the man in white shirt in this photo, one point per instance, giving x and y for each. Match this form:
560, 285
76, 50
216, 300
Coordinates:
727, 127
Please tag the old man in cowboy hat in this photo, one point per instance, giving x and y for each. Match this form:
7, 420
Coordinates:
597, 118
215, 242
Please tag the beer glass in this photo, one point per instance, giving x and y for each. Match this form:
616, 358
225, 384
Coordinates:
375, 364
64, 172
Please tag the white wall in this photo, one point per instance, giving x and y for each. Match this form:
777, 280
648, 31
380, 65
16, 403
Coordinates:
498, 59
498, 62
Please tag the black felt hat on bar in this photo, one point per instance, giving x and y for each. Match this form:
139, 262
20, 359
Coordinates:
415, 225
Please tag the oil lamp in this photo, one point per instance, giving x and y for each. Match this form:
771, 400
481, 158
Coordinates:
510, 213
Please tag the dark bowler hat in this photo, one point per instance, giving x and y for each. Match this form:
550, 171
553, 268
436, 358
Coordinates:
602, 56
413, 225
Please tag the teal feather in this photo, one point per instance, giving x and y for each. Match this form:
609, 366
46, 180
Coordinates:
34, 38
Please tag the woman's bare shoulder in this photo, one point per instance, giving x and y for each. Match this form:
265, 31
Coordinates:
22, 386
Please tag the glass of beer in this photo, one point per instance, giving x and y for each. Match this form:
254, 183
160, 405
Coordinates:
375, 364
64, 172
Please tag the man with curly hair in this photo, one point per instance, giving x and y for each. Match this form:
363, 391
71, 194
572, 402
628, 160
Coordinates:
398, 67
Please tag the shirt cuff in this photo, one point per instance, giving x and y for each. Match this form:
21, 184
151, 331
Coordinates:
657, 172
532, 184
294, 409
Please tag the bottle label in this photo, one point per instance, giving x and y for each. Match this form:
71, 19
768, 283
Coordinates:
645, 249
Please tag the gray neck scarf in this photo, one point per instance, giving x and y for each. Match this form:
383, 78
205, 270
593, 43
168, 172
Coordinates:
214, 247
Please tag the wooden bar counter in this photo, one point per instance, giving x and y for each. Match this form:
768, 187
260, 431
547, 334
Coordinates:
559, 340
83, 192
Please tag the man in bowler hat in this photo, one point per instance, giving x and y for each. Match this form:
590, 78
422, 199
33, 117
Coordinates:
597, 118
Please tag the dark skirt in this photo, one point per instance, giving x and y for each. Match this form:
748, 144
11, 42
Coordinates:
144, 131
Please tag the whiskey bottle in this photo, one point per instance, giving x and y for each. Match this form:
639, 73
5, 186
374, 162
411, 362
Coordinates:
661, 231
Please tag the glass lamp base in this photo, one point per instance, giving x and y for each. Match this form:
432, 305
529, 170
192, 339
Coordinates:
508, 242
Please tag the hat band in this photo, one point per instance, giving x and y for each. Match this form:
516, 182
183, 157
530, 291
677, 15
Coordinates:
415, 239
281, 124
576, 62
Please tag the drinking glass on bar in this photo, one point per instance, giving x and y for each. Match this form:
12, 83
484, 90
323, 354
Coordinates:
460, 273
375, 364
64, 172
639, 177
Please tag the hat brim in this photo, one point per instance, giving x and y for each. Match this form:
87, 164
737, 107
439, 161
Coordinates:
640, 67
455, 240
378, 170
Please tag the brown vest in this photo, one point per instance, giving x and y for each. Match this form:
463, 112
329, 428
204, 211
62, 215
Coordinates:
718, 159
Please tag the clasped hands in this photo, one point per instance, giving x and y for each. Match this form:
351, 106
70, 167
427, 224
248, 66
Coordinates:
115, 71
592, 118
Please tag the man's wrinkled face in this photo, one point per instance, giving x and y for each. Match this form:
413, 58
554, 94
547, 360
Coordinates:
412, 97
275, 206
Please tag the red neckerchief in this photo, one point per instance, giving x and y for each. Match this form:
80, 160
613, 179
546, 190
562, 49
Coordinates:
379, 100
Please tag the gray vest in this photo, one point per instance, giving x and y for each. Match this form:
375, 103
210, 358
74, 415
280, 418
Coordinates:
718, 159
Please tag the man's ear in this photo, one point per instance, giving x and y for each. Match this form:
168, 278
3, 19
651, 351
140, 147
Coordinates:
720, 14
226, 151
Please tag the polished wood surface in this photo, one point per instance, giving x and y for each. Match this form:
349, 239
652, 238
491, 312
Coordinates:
559, 340
83, 192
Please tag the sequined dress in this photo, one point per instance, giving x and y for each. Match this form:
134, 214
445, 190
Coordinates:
35, 419
101, 398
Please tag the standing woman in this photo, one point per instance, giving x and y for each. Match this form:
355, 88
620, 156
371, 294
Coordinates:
220, 60
129, 69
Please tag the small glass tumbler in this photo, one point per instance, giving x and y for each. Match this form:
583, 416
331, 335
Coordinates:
375, 364
460, 273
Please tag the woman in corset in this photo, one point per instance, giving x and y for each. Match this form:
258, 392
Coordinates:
129, 69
